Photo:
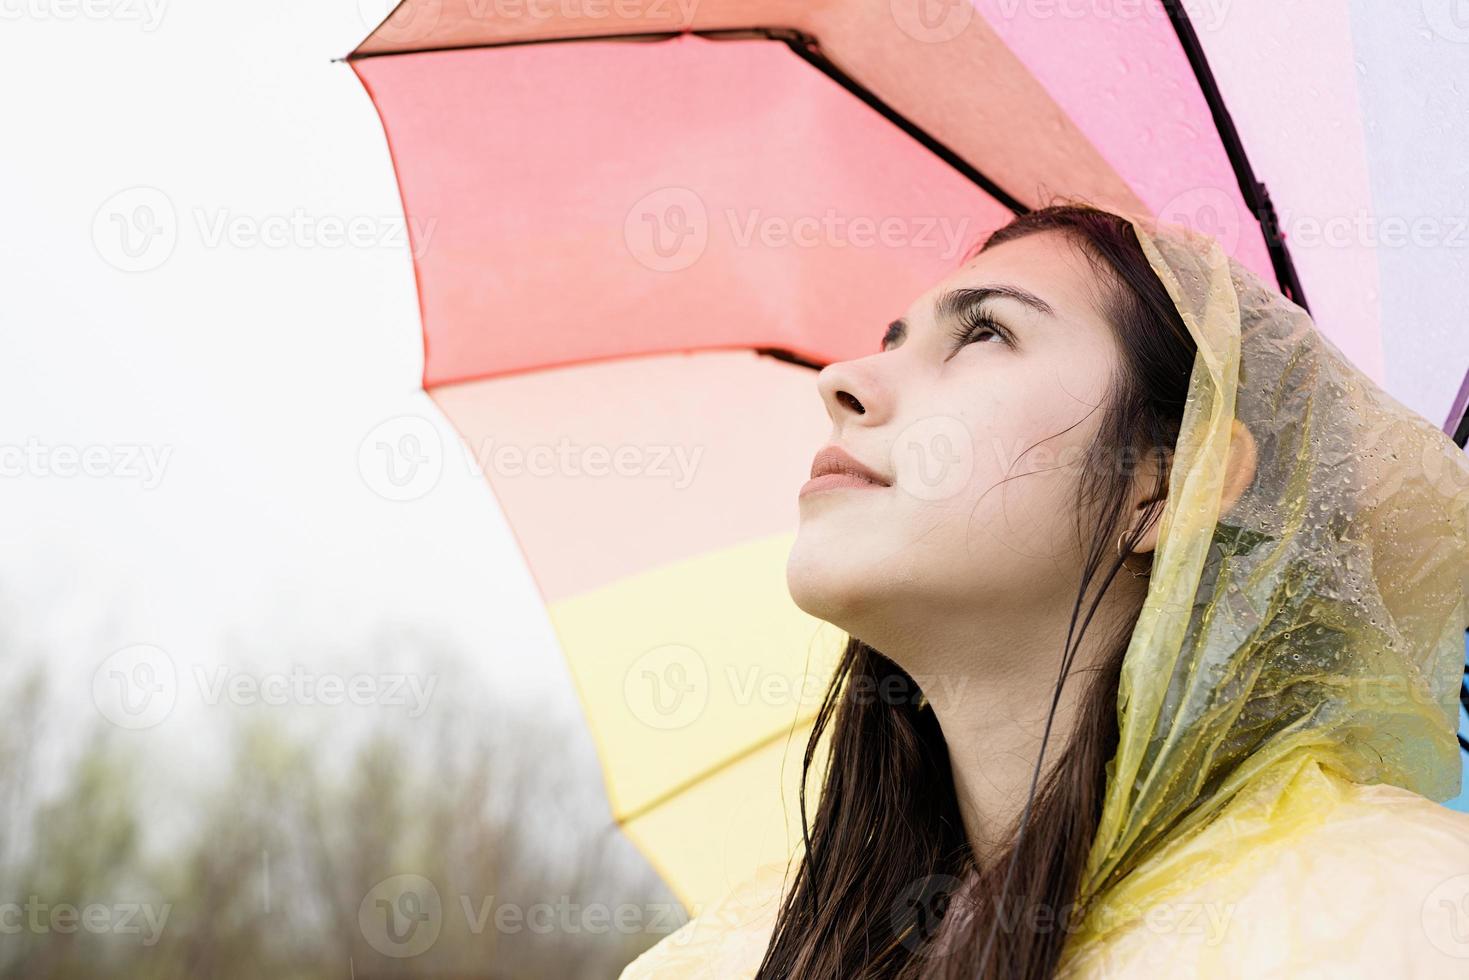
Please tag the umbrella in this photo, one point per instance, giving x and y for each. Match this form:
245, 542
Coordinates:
652, 218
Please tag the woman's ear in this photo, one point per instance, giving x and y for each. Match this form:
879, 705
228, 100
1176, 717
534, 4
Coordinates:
1239, 473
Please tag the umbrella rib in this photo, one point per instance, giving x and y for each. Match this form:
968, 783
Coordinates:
1256, 194
1457, 424
808, 49
781, 354
528, 41
624, 819
1464, 699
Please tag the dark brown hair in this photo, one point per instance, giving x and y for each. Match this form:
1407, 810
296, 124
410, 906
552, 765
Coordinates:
887, 864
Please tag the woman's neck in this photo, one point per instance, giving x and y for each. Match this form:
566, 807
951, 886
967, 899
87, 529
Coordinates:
992, 700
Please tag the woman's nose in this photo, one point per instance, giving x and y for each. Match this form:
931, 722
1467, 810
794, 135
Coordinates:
853, 393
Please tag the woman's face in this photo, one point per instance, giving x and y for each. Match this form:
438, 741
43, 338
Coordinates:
979, 433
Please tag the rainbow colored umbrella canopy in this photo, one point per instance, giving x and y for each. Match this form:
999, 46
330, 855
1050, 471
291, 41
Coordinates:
650, 219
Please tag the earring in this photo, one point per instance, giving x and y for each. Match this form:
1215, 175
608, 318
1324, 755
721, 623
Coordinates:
1135, 573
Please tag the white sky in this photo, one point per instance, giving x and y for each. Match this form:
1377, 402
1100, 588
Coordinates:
258, 368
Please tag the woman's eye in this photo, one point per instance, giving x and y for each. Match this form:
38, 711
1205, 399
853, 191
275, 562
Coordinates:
976, 329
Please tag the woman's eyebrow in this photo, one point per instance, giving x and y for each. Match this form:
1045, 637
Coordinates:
895, 332
957, 301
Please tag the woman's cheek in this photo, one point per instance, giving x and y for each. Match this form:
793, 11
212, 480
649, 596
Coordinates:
935, 457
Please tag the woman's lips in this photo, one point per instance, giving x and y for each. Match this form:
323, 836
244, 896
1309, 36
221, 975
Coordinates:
836, 481
833, 468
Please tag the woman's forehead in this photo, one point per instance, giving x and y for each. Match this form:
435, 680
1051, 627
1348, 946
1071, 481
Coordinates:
1045, 265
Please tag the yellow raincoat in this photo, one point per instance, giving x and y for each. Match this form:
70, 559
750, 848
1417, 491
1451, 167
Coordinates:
1289, 696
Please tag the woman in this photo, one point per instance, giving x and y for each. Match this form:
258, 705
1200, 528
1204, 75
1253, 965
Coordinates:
1218, 754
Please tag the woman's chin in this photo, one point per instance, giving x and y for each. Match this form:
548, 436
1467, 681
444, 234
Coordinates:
826, 589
